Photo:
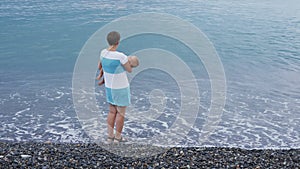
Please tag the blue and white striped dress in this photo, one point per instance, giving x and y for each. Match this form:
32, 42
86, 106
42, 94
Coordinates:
116, 82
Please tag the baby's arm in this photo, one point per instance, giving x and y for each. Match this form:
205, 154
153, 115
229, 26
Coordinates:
101, 71
99, 65
101, 82
100, 74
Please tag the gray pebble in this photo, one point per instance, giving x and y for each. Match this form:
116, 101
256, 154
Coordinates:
25, 156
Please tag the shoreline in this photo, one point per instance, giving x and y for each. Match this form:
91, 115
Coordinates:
92, 155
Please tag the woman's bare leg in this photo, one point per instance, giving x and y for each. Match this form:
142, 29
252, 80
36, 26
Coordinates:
111, 119
120, 120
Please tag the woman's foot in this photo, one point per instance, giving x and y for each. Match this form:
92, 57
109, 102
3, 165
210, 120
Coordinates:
120, 140
110, 140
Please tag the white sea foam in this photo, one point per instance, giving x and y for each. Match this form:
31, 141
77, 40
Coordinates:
22, 111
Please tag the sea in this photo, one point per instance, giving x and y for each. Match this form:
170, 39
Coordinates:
257, 43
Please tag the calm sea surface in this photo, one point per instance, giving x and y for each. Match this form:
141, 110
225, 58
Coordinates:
258, 43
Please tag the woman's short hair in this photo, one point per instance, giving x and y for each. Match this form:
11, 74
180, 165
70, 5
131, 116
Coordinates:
113, 38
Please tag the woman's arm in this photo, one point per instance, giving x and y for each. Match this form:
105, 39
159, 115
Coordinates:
127, 67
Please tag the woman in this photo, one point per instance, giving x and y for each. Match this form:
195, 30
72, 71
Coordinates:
115, 65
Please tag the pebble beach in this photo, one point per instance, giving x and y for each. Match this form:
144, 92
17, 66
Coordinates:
92, 155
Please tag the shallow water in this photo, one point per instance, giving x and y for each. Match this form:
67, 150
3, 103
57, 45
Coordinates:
258, 43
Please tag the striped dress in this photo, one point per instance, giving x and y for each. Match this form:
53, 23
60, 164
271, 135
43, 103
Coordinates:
116, 82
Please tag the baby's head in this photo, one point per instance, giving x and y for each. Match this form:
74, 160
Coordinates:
134, 61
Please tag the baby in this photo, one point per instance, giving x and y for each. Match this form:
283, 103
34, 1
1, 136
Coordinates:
133, 61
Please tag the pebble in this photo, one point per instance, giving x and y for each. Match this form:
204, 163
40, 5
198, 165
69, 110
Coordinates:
25, 156
68, 155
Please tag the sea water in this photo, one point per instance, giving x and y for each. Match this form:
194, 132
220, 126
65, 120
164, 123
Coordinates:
258, 43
